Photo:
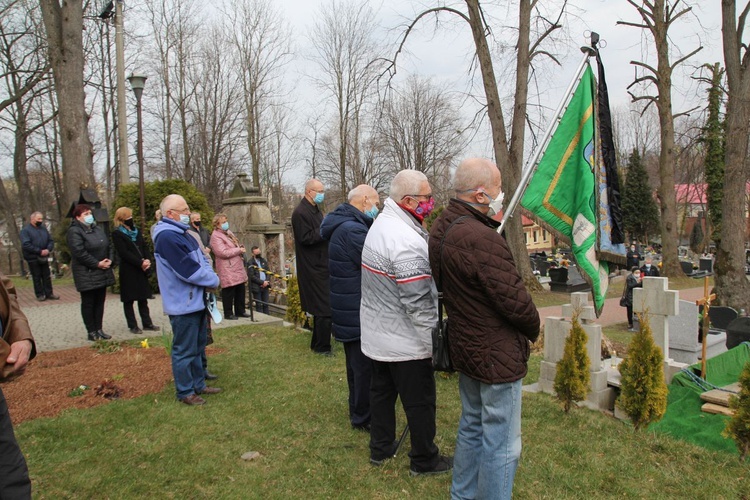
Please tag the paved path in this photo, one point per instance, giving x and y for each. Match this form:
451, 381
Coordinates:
612, 312
57, 324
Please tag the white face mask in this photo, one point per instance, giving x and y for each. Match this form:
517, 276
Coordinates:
496, 205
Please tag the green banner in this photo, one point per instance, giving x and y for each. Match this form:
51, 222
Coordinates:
561, 195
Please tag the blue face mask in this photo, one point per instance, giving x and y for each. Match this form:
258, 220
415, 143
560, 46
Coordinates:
373, 212
319, 198
185, 219
88, 219
225, 226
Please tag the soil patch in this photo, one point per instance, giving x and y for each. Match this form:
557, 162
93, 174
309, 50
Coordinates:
52, 378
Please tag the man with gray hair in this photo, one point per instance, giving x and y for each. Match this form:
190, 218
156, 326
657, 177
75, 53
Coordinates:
492, 324
312, 265
184, 275
36, 244
397, 314
346, 229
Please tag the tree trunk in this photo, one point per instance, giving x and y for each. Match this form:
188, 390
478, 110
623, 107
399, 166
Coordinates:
64, 27
732, 286
508, 161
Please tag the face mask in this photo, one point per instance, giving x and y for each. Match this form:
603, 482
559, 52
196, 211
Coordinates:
38, 223
648, 266
185, 219
128, 222
425, 208
319, 198
257, 256
372, 212
495, 205
225, 226
197, 223
89, 219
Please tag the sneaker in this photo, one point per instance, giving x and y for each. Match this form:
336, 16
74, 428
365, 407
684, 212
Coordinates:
380, 461
53, 297
444, 465
41, 298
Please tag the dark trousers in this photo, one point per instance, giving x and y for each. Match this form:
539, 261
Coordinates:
630, 316
41, 277
233, 297
14, 475
358, 376
321, 336
261, 300
143, 310
92, 308
414, 383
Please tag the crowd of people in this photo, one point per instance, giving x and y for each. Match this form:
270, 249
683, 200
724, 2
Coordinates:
367, 275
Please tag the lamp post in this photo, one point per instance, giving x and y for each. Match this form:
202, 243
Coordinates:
137, 82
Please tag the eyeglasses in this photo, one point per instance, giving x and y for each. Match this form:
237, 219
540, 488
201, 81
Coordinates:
185, 210
428, 196
318, 190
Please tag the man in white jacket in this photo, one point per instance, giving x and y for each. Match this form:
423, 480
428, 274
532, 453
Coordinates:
397, 312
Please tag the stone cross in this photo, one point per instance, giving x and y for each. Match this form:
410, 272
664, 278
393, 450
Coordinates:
660, 304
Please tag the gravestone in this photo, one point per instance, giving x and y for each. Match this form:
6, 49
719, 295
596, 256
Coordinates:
654, 298
683, 336
706, 264
720, 317
687, 267
567, 280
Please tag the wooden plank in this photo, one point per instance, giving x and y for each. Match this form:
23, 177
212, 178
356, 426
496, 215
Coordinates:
720, 397
716, 409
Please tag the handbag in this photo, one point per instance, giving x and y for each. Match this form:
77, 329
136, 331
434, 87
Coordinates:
213, 311
441, 355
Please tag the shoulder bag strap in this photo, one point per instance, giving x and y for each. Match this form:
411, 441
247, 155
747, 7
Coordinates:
440, 264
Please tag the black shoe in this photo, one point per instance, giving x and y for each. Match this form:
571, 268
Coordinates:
327, 354
136, 330
380, 461
231, 316
103, 335
152, 328
41, 298
362, 427
444, 465
211, 376
92, 336
53, 297
246, 315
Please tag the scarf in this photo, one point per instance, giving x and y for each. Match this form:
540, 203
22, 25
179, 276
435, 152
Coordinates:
132, 233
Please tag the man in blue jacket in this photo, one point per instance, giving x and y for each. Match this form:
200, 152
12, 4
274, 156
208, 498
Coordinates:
36, 245
346, 228
184, 274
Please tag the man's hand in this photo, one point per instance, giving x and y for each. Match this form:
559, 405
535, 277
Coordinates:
45, 252
19, 356
265, 284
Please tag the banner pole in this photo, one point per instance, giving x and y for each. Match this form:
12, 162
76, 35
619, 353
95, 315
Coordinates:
532, 165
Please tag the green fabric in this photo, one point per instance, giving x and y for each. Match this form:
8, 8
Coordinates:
562, 193
684, 418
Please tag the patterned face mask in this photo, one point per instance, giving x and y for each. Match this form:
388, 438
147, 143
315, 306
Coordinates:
425, 208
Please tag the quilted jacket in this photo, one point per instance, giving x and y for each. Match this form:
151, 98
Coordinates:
492, 317
88, 246
230, 263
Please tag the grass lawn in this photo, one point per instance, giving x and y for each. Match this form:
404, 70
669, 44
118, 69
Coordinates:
290, 406
20, 282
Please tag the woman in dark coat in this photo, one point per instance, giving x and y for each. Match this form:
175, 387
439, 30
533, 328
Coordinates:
632, 281
92, 268
135, 267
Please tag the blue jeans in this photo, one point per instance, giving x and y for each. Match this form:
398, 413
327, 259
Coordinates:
488, 445
188, 341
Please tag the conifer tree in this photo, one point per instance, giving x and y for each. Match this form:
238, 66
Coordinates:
294, 312
643, 394
639, 211
738, 428
572, 377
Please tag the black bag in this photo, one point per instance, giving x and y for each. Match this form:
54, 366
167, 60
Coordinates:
441, 353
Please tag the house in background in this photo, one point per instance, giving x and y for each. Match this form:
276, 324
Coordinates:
692, 206
537, 238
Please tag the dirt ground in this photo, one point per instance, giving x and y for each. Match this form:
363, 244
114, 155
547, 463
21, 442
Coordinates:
50, 384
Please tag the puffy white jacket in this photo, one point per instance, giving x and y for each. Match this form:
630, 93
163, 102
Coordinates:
399, 299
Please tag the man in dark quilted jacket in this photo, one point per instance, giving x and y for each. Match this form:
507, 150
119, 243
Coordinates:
492, 323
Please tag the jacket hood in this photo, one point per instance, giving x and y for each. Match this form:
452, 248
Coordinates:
343, 213
168, 225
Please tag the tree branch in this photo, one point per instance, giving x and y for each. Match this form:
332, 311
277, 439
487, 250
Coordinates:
682, 59
645, 78
685, 113
646, 66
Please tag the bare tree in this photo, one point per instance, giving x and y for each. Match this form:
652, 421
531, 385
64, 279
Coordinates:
421, 129
657, 17
261, 41
63, 22
508, 151
733, 288
343, 39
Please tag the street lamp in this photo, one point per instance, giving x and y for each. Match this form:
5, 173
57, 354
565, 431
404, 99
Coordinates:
137, 82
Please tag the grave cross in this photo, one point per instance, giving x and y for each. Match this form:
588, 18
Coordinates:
660, 303
706, 303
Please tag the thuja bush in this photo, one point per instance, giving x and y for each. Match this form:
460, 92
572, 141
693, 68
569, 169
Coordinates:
572, 377
294, 312
643, 395
738, 428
